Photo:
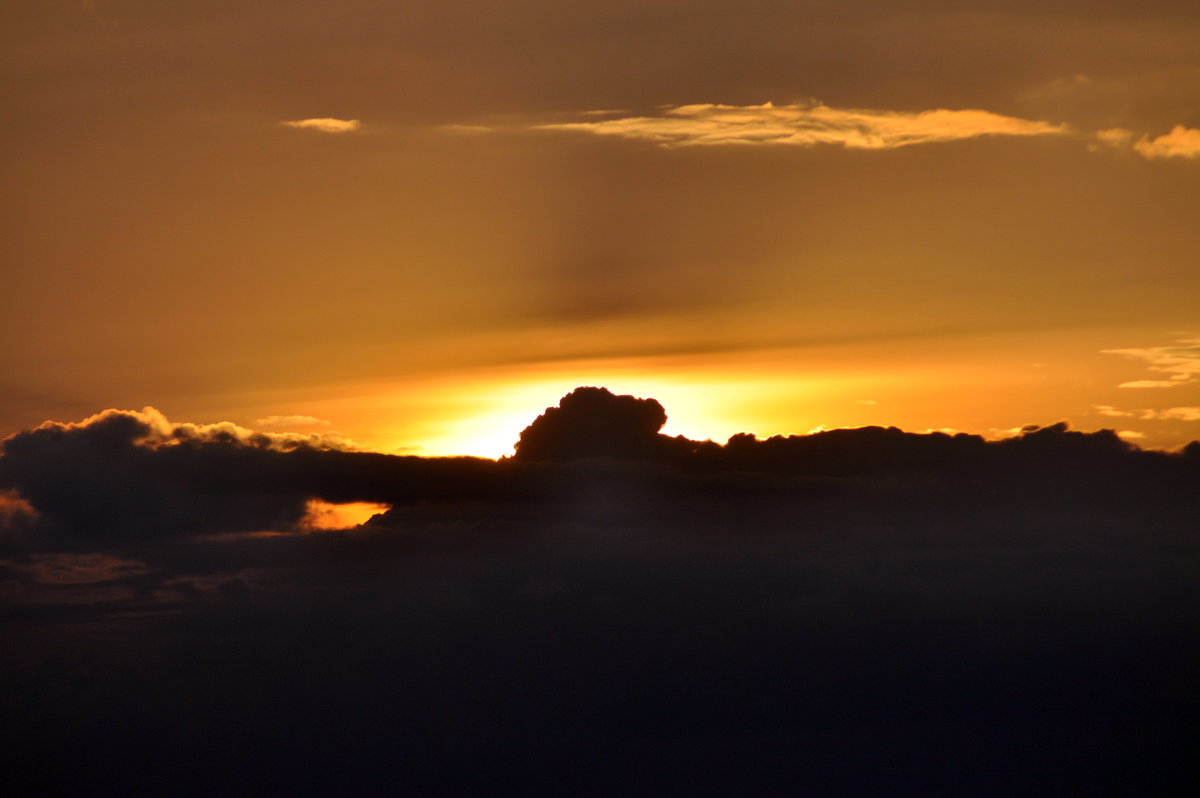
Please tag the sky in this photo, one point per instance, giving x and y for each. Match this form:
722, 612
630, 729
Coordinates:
256, 254
414, 226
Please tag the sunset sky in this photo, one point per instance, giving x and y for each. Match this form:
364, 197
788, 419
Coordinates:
416, 225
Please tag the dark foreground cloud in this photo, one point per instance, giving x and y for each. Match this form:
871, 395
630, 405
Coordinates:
857, 612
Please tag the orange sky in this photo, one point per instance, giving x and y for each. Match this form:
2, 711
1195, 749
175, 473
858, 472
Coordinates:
416, 227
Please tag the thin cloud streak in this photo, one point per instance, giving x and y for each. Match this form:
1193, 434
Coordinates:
291, 421
807, 125
324, 124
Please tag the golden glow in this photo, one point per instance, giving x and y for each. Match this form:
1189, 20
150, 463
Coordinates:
972, 387
325, 515
482, 413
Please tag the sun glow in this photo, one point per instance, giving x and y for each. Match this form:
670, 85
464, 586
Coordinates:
699, 405
481, 412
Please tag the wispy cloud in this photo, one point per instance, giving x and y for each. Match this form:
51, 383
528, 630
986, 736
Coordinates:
1178, 414
1116, 137
324, 124
807, 125
291, 421
1181, 361
1181, 142
1148, 414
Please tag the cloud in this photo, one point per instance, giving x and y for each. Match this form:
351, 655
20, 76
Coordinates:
291, 421
1181, 142
123, 473
1177, 414
126, 475
465, 130
857, 589
150, 428
324, 124
1149, 384
594, 422
807, 125
16, 515
1149, 414
1116, 137
1180, 360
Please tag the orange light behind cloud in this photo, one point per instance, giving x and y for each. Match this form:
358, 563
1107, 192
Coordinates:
323, 515
482, 413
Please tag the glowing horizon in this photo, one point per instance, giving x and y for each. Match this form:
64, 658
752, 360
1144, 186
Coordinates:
902, 220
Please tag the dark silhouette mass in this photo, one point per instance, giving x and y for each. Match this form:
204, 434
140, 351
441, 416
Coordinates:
610, 611
593, 422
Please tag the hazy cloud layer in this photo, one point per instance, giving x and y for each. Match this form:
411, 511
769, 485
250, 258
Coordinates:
324, 124
806, 125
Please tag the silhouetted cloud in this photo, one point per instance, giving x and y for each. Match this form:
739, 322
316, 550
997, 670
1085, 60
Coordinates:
121, 473
809, 124
593, 422
125, 475
324, 124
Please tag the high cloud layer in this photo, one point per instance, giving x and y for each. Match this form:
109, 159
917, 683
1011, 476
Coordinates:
806, 125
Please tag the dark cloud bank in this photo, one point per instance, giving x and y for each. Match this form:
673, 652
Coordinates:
609, 612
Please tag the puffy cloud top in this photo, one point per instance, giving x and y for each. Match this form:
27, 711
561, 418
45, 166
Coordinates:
593, 422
